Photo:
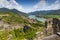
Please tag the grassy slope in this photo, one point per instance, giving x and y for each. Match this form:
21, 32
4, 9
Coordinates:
18, 34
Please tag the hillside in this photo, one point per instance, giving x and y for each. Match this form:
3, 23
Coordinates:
46, 14
49, 12
14, 11
13, 24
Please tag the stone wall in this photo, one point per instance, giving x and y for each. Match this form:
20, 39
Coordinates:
52, 26
49, 32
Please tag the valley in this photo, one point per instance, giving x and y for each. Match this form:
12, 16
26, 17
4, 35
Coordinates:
16, 26
29, 19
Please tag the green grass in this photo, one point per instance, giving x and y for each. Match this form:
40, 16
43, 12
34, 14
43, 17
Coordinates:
18, 34
4, 35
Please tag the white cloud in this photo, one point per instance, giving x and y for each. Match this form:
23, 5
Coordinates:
12, 4
43, 5
39, 6
54, 6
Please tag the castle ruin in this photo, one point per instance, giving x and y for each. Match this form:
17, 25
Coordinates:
52, 26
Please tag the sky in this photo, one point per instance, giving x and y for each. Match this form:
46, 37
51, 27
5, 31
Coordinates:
27, 3
30, 5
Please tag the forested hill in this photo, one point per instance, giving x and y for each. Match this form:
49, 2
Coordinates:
14, 11
49, 12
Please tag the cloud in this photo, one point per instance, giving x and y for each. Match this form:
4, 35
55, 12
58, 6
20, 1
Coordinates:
54, 6
39, 6
43, 5
11, 4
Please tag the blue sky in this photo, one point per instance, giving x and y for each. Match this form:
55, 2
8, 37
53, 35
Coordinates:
50, 1
30, 5
34, 5
27, 3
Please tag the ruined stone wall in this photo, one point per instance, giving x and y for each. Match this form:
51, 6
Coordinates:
48, 27
52, 26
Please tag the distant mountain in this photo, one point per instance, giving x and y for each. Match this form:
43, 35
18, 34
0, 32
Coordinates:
13, 10
49, 12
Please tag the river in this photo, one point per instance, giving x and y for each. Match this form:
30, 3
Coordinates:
37, 18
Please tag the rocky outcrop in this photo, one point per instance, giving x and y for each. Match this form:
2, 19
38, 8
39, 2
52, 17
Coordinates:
51, 30
4, 25
52, 37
